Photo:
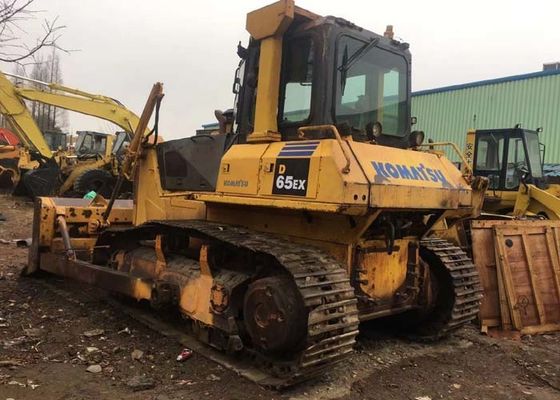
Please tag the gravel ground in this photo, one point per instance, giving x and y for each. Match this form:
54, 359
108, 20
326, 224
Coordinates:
69, 344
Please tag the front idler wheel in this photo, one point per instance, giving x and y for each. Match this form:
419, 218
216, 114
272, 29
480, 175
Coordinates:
275, 315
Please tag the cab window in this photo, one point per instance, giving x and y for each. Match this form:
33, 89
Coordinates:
489, 153
87, 144
516, 162
372, 87
534, 150
297, 80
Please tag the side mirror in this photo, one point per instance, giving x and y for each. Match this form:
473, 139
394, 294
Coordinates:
242, 52
237, 78
413, 121
236, 82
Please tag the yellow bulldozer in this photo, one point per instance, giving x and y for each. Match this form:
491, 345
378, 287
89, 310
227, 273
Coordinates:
45, 165
512, 159
306, 214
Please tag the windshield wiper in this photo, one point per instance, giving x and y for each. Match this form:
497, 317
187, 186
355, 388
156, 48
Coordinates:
347, 63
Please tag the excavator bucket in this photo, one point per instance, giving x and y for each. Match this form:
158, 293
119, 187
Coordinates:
43, 181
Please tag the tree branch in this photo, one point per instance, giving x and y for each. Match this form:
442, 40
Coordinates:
12, 48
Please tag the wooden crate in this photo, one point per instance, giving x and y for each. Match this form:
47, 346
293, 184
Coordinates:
519, 267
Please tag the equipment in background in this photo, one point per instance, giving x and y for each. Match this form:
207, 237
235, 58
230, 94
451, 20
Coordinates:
46, 165
516, 251
512, 159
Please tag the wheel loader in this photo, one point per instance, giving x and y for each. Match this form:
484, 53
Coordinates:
45, 165
512, 159
305, 215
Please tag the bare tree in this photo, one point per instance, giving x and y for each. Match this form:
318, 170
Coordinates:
48, 117
14, 14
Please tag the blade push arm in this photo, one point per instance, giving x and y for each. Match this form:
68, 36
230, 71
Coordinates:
135, 148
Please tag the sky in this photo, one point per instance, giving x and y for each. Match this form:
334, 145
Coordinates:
121, 47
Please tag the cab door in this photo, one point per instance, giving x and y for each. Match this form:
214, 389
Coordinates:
489, 156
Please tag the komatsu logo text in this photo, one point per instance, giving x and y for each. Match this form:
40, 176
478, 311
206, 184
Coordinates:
416, 173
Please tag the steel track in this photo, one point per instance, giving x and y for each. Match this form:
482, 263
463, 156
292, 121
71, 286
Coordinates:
465, 281
323, 285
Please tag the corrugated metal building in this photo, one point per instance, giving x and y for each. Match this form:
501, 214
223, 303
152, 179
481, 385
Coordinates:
533, 100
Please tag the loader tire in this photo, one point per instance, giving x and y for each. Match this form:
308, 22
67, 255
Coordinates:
98, 180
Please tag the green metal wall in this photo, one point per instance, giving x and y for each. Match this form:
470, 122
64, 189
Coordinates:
533, 100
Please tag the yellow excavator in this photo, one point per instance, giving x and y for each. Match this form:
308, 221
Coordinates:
44, 170
512, 160
307, 213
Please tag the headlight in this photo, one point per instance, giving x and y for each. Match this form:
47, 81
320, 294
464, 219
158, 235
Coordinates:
416, 138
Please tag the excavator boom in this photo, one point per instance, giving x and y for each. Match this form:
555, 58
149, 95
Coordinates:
79, 101
24, 126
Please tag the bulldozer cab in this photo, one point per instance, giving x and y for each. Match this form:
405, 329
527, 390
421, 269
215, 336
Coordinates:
319, 71
92, 144
333, 72
507, 157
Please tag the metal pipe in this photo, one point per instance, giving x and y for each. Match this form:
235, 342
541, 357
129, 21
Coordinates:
24, 78
63, 229
303, 129
455, 148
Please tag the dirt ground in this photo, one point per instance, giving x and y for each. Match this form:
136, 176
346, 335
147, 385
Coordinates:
50, 338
